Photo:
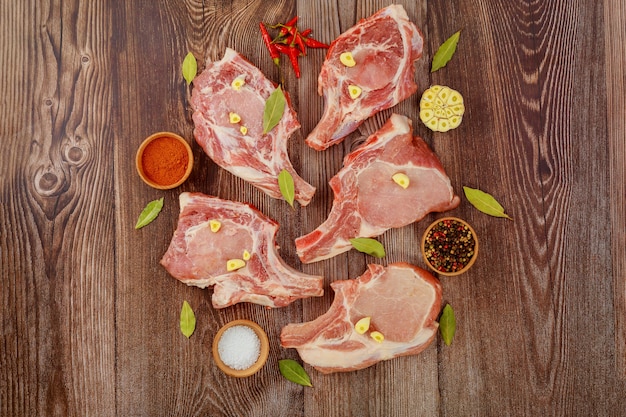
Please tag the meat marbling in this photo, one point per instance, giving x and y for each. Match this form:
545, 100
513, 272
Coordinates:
254, 156
198, 255
368, 202
403, 302
384, 46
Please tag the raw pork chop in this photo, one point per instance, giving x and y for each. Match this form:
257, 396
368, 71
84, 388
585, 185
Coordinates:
403, 302
384, 47
253, 156
367, 200
213, 232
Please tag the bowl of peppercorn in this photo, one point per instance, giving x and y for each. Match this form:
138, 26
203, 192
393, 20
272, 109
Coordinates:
450, 246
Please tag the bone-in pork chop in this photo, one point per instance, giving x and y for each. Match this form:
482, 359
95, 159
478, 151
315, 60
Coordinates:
383, 48
367, 199
231, 246
228, 100
402, 302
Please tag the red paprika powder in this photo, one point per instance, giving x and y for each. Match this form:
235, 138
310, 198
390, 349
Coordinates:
165, 160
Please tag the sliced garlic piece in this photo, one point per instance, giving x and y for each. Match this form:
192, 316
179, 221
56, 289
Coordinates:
238, 82
362, 325
401, 179
234, 117
215, 225
347, 59
354, 91
377, 336
235, 264
246, 255
243, 130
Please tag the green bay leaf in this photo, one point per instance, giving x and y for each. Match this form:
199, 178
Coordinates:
369, 246
445, 52
287, 188
273, 111
447, 324
190, 68
485, 202
149, 213
294, 372
187, 320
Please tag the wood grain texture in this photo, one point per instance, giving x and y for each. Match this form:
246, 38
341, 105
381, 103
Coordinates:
90, 318
615, 45
58, 350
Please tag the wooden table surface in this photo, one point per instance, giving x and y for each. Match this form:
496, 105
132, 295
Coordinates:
90, 319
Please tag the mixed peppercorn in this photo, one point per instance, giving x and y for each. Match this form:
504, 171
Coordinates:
449, 246
289, 41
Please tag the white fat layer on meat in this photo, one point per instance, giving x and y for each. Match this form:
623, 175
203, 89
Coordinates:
250, 174
201, 283
228, 290
372, 350
184, 199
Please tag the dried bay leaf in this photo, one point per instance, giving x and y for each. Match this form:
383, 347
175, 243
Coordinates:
445, 52
447, 324
369, 246
149, 213
294, 372
485, 202
274, 108
187, 320
190, 68
286, 186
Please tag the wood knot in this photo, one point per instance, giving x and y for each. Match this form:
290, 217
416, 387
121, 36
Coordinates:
74, 154
49, 181
75, 150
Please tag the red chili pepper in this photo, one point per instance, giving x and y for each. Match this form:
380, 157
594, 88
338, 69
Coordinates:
284, 29
292, 53
274, 54
312, 43
300, 42
305, 33
295, 39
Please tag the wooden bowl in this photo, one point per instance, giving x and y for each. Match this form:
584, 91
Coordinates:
139, 159
265, 349
469, 264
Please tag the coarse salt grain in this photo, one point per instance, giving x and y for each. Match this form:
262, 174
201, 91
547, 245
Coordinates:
239, 347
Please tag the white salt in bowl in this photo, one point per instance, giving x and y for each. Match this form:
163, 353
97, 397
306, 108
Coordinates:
264, 349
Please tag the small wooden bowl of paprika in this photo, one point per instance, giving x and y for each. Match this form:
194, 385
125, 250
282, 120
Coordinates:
450, 246
164, 160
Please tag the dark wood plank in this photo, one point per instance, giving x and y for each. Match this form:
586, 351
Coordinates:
57, 246
524, 309
615, 46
